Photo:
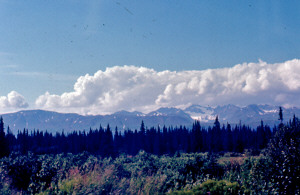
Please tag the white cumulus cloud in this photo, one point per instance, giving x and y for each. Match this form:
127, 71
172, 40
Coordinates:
143, 89
12, 101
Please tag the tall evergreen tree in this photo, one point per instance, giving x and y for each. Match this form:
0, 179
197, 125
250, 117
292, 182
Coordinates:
284, 153
216, 136
108, 144
280, 115
4, 148
10, 139
142, 137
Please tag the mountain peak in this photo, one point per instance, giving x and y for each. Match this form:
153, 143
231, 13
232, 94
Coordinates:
53, 121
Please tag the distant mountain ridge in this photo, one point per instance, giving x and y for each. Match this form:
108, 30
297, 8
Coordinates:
53, 121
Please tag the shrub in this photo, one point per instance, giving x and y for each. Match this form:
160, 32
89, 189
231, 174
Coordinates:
214, 187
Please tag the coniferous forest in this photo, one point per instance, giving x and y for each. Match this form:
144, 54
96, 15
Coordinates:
221, 159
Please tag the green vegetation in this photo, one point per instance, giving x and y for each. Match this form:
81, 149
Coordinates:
276, 170
144, 173
213, 187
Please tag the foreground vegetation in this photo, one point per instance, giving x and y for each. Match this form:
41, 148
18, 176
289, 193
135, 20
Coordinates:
275, 170
196, 173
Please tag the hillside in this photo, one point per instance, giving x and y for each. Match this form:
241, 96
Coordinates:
53, 121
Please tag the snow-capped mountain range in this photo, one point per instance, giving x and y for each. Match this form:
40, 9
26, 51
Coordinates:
53, 121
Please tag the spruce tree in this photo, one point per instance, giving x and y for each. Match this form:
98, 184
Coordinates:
280, 115
4, 148
284, 155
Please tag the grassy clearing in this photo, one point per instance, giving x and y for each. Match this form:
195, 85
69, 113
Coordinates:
234, 158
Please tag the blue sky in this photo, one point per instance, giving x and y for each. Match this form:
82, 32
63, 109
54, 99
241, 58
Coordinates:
48, 45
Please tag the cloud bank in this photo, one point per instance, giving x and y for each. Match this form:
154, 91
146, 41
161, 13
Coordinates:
13, 101
137, 88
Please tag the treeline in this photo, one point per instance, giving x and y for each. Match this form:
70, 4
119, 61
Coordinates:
275, 171
154, 140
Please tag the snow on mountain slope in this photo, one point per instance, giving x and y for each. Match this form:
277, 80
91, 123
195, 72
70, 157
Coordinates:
201, 113
52, 121
250, 115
